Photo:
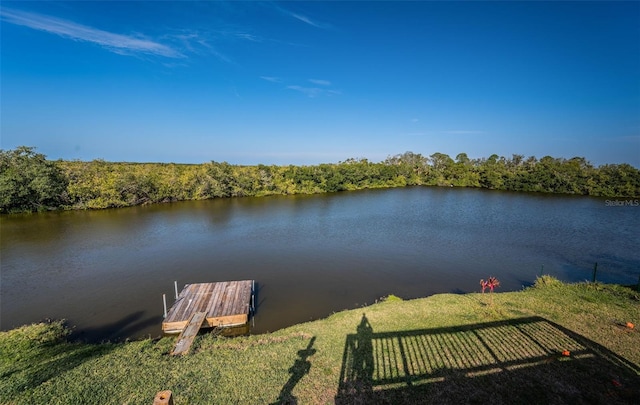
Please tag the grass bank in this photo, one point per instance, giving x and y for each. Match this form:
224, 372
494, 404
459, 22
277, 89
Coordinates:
441, 349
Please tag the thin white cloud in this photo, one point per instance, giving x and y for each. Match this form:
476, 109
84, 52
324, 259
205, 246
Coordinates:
300, 17
194, 43
313, 91
248, 37
309, 91
320, 82
208, 42
305, 20
213, 51
271, 79
117, 43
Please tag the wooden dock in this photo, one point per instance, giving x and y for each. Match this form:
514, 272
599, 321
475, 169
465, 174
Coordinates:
225, 304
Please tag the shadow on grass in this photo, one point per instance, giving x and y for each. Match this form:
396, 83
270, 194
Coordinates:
513, 361
300, 367
31, 367
128, 327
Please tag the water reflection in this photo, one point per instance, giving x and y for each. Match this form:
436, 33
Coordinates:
311, 255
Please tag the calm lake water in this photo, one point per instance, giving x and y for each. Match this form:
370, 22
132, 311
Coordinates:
105, 271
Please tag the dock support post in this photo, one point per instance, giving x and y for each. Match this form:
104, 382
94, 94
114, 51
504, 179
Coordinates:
253, 303
164, 301
253, 296
175, 286
595, 270
163, 398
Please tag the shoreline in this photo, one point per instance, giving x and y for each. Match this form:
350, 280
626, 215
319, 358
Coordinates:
528, 332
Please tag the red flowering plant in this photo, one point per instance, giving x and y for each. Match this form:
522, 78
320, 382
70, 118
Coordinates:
489, 283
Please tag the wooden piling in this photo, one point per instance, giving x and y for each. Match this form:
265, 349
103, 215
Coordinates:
164, 303
163, 398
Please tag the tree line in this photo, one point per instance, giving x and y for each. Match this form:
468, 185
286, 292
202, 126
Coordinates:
30, 182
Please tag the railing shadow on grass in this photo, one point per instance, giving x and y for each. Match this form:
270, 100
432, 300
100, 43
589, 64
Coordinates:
525, 360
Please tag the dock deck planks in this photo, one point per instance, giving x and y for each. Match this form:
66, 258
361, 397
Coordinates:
225, 303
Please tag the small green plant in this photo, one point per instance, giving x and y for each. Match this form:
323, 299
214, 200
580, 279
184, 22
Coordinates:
390, 298
547, 280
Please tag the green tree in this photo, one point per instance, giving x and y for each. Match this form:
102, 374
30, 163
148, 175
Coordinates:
619, 180
333, 179
464, 173
442, 169
492, 171
29, 182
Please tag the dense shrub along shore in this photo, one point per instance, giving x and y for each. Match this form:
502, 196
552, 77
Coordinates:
30, 182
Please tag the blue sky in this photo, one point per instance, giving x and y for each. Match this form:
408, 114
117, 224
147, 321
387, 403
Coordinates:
312, 82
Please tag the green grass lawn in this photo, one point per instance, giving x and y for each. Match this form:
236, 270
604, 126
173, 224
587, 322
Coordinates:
441, 349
